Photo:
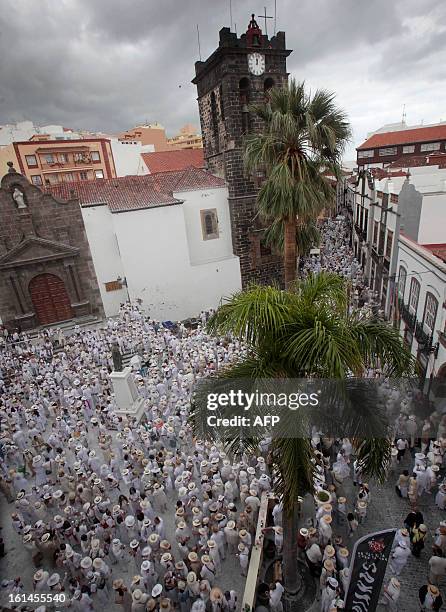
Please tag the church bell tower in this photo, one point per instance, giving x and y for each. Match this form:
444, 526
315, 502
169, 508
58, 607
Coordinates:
237, 74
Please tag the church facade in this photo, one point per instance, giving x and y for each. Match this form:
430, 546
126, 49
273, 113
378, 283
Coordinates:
46, 270
239, 73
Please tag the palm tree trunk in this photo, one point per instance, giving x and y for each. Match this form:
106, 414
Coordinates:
292, 581
290, 251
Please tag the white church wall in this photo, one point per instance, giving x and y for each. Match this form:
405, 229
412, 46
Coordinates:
153, 245
201, 250
105, 253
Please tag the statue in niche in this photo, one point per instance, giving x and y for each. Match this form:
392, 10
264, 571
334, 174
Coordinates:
18, 198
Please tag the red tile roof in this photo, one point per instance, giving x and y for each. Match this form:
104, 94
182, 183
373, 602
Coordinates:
428, 159
136, 192
424, 134
439, 250
166, 161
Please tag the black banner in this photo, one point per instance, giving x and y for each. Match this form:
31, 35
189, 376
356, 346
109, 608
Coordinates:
367, 568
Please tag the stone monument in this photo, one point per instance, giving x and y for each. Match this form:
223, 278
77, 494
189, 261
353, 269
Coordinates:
127, 399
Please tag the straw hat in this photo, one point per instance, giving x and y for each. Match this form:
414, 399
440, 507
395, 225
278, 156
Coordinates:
216, 595
205, 559
137, 595
330, 551
53, 579
327, 518
193, 557
166, 557
151, 605
329, 565
343, 552
230, 525
153, 538
304, 532
136, 579
342, 500
165, 545
118, 583
191, 577
134, 544
433, 590
86, 563
241, 547
211, 543
423, 528
40, 575
45, 537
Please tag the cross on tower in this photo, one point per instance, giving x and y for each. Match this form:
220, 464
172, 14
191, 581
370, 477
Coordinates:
265, 17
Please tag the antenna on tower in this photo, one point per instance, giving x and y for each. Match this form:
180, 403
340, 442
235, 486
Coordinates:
403, 118
235, 27
230, 12
275, 16
198, 38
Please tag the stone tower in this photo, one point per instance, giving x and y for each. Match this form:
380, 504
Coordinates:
237, 74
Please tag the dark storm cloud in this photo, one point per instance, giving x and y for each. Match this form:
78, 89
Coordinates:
110, 64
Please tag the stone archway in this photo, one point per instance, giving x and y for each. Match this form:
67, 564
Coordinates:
50, 299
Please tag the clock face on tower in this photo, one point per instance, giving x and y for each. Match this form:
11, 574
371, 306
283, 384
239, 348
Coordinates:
256, 63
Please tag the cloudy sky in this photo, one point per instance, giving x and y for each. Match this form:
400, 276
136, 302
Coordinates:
111, 64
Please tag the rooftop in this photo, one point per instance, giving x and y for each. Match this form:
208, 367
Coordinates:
128, 193
439, 250
409, 136
167, 161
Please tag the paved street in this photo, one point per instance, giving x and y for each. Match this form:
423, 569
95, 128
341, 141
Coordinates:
387, 510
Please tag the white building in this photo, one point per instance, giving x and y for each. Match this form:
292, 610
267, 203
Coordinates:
387, 202
422, 303
163, 240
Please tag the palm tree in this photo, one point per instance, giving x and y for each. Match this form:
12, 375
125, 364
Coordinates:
301, 143
302, 334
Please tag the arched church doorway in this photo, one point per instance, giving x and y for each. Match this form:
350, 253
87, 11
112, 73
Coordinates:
50, 299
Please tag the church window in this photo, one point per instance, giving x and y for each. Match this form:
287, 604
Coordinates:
222, 104
214, 118
209, 223
268, 84
244, 86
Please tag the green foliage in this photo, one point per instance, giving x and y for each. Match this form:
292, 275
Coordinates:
306, 333
301, 143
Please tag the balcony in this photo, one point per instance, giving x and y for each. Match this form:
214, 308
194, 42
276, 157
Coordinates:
422, 337
408, 317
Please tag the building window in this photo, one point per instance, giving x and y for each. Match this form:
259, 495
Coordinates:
430, 311
209, 223
394, 198
222, 104
244, 96
379, 195
113, 285
36, 179
95, 156
99, 174
414, 294
375, 233
430, 146
63, 158
369, 153
402, 281
408, 149
68, 177
49, 159
387, 151
214, 118
31, 161
83, 176
389, 244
